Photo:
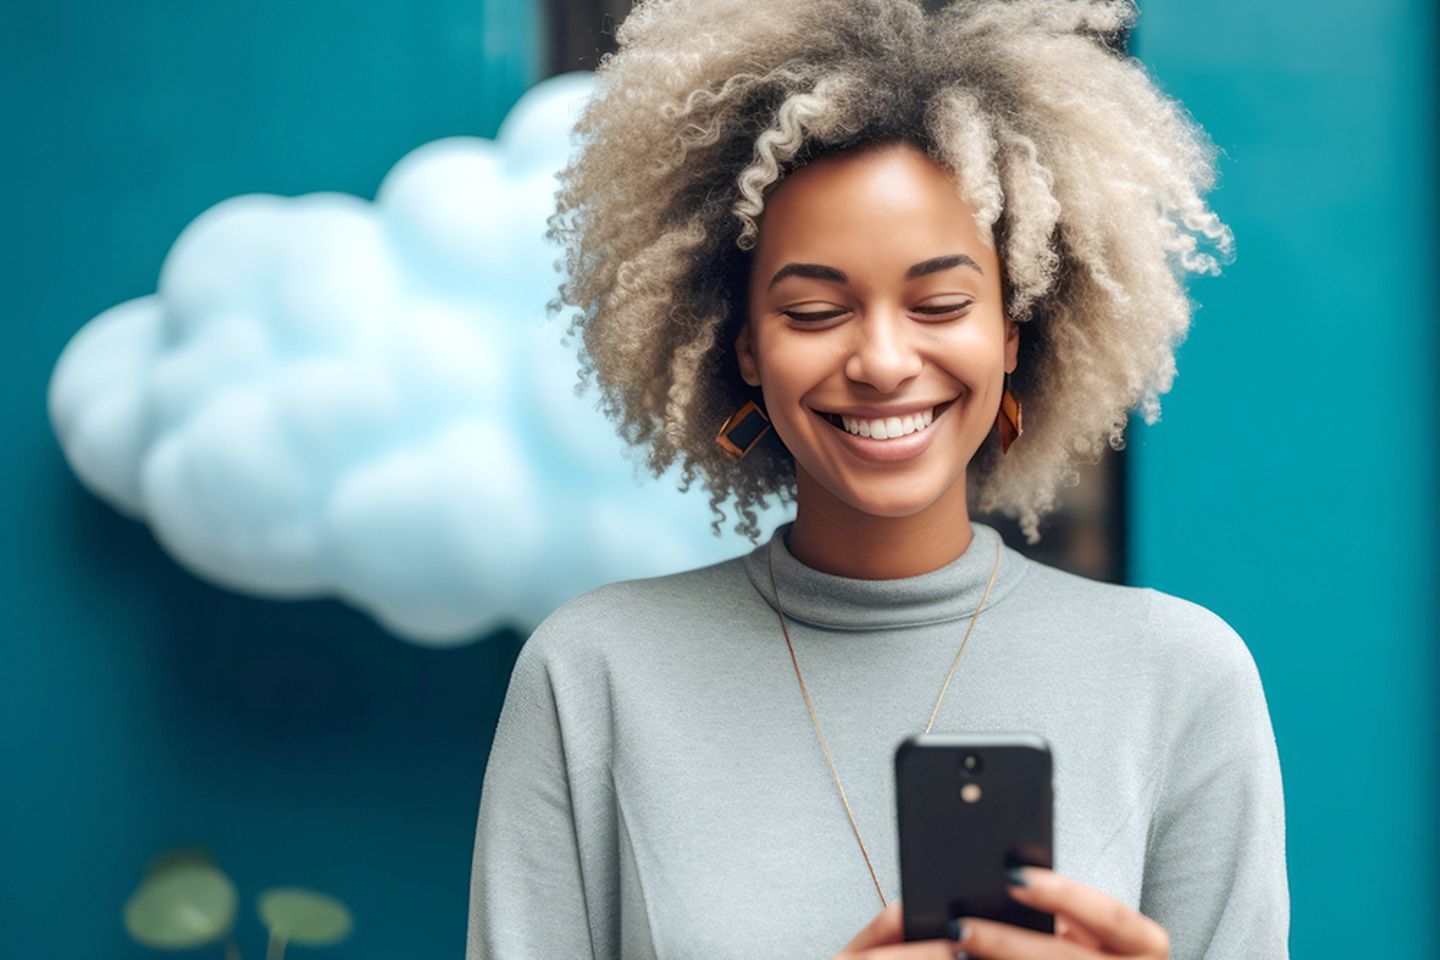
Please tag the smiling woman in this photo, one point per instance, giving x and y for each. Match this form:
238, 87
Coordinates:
827, 250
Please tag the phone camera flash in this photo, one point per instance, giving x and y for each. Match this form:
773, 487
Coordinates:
970, 793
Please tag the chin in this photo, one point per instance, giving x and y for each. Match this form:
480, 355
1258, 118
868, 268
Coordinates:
891, 509
895, 492
898, 493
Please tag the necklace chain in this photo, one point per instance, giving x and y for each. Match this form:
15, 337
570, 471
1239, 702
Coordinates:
770, 554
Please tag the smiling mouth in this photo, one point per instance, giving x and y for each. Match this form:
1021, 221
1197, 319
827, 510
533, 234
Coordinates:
834, 419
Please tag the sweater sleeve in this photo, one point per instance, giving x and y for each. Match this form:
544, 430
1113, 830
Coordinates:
527, 896
1215, 872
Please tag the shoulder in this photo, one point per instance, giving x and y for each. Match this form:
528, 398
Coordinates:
625, 614
1181, 643
1092, 621
1174, 661
1061, 595
1209, 655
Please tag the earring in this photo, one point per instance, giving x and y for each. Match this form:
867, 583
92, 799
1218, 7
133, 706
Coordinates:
1007, 421
743, 429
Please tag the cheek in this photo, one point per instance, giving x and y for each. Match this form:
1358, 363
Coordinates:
792, 368
970, 355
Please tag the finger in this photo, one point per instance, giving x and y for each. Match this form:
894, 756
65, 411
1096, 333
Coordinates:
917, 950
1117, 927
887, 927
1067, 929
993, 940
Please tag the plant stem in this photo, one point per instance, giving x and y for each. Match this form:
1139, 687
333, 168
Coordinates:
275, 948
232, 950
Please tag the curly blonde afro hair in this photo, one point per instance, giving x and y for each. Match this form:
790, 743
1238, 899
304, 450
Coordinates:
1086, 180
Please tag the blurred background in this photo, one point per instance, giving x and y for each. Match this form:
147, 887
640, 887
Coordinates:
242, 689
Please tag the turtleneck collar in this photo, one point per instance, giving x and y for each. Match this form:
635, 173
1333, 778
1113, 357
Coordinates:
821, 599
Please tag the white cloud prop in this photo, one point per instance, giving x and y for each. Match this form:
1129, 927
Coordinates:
328, 396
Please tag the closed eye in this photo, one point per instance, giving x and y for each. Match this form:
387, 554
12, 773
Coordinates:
819, 316
812, 316
941, 310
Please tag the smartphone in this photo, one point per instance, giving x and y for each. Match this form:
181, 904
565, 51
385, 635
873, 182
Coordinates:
970, 807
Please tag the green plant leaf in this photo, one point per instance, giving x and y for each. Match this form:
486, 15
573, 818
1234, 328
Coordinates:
181, 905
304, 916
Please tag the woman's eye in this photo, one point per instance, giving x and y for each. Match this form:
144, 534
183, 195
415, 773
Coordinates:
943, 310
812, 316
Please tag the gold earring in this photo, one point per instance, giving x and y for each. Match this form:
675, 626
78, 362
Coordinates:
743, 429
1007, 421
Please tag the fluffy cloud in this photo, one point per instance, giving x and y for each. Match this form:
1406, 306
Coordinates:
329, 396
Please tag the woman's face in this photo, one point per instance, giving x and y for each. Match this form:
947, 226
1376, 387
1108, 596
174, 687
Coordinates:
872, 297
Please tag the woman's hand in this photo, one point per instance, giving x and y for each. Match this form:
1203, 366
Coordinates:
1088, 923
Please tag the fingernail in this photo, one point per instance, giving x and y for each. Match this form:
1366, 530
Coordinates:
957, 931
961, 955
1017, 876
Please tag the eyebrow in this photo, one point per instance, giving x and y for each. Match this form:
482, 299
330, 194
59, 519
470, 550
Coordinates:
819, 271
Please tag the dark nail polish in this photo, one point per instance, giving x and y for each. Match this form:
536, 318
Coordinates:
961, 955
956, 930
1017, 876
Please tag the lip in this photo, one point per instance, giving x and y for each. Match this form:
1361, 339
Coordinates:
888, 451
881, 413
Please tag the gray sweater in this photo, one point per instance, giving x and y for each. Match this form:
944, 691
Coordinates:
656, 788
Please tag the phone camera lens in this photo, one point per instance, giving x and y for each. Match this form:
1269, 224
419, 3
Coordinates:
971, 763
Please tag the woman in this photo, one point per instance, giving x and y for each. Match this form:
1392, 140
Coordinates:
885, 264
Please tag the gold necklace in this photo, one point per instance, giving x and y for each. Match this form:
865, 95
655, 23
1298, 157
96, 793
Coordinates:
770, 554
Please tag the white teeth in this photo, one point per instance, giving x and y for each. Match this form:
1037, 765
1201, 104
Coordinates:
888, 427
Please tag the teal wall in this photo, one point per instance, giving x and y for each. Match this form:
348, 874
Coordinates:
140, 707
1291, 482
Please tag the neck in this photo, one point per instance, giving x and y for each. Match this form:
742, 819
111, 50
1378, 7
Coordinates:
834, 536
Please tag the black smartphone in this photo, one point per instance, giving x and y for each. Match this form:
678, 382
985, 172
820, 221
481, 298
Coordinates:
970, 807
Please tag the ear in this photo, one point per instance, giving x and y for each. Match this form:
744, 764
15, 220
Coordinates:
745, 355
1012, 345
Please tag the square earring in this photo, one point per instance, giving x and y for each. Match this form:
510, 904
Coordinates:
743, 429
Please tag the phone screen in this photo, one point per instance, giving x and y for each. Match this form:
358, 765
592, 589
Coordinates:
970, 807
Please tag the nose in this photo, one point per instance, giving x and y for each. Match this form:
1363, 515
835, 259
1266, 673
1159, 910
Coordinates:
883, 353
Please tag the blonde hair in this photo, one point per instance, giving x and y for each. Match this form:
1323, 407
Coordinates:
1085, 179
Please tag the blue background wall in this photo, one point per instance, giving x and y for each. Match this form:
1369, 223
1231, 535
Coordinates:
1289, 486
140, 707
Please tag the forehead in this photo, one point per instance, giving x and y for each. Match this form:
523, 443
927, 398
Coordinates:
869, 212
